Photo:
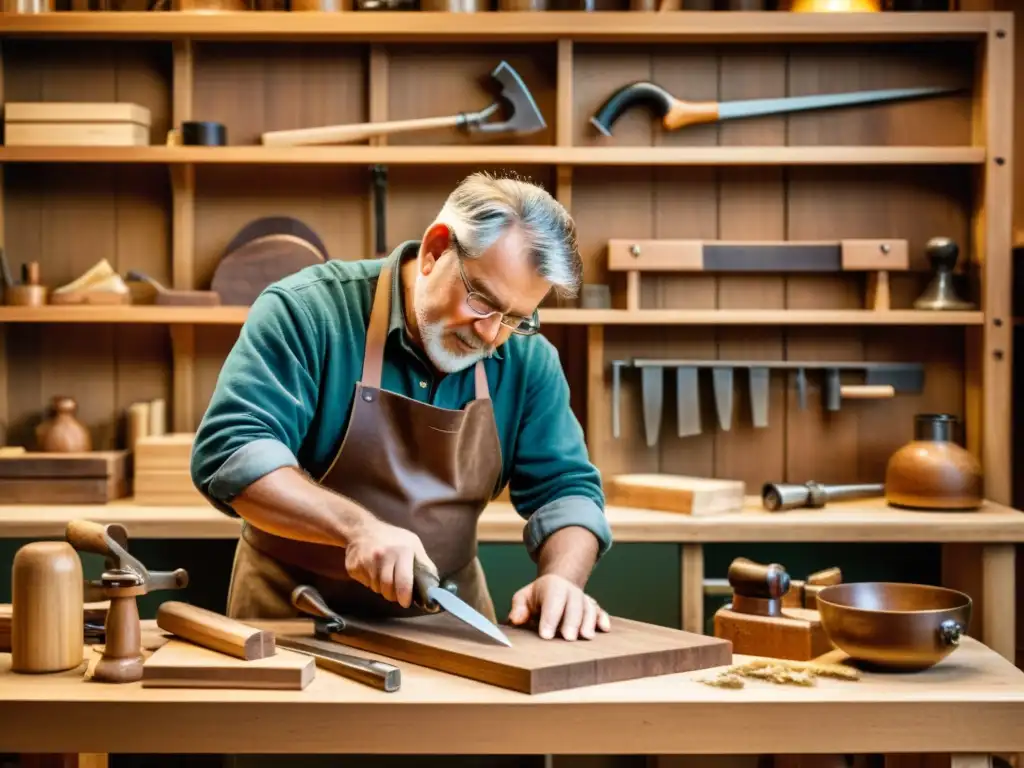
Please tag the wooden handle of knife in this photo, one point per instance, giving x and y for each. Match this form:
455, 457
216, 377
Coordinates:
215, 631
424, 579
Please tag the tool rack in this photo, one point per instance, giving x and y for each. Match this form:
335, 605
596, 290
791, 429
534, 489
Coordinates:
908, 171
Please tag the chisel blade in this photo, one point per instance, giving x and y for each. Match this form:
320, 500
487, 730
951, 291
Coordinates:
652, 383
687, 402
722, 381
759, 396
801, 389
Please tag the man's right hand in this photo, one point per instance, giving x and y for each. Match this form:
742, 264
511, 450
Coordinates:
380, 556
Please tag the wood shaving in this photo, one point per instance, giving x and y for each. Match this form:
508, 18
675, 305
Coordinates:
780, 672
724, 680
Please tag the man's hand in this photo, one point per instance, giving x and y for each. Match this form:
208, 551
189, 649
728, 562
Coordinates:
561, 606
380, 556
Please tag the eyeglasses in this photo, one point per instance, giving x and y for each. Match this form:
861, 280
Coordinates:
525, 326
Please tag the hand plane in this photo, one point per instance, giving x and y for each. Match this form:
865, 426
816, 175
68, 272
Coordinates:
124, 578
764, 620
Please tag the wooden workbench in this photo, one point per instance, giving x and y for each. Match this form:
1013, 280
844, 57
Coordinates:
972, 703
995, 528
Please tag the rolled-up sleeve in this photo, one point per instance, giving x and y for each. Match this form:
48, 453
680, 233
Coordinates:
552, 483
263, 402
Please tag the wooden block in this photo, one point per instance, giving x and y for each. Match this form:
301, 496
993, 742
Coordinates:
152, 487
215, 631
632, 650
796, 635
76, 112
181, 664
170, 451
36, 477
676, 493
72, 135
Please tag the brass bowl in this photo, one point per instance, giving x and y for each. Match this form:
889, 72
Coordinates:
893, 626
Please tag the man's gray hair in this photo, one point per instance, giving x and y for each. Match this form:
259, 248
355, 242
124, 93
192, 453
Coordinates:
483, 207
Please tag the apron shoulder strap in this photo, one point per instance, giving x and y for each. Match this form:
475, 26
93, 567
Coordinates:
482, 391
377, 332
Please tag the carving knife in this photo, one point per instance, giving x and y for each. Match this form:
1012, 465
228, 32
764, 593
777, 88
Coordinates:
429, 594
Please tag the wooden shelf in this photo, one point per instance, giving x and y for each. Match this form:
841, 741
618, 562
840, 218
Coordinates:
503, 154
605, 26
854, 521
147, 314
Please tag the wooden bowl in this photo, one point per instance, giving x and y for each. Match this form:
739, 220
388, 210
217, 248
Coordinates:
892, 626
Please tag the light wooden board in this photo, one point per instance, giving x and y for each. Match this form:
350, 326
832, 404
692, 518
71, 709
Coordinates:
676, 493
180, 664
630, 651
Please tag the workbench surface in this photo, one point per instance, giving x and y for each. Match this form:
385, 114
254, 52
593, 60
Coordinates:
852, 521
971, 702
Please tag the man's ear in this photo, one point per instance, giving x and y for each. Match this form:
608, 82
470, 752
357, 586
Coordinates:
436, 241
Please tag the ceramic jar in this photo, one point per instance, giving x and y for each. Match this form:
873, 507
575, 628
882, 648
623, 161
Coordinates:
63, 432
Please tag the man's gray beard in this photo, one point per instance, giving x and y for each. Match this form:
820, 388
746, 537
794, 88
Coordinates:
432, 335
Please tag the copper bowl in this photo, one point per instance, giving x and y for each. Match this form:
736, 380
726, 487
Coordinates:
893, 626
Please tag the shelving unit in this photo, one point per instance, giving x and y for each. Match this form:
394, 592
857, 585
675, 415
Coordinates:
913, 170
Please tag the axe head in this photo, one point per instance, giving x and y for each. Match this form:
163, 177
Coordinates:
523, 114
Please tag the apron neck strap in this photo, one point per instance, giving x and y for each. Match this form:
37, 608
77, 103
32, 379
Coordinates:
377, 333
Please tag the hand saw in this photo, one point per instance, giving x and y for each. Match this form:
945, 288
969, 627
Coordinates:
676, 113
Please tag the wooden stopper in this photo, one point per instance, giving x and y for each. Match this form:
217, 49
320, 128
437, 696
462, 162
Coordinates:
157, 417
138, 424
47, 608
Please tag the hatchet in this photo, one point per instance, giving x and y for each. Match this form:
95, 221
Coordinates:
522, 117
676, 113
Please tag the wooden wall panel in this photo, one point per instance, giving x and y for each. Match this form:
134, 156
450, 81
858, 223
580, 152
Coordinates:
794, 203
460, 81
68, 218
254, 87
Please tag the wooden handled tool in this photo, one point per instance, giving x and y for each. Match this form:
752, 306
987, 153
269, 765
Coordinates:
524, 118
765, 619
676, 113
757, 588
330, 626
215, 631
124, 579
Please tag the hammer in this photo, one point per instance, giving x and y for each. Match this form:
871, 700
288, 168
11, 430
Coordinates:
523, 117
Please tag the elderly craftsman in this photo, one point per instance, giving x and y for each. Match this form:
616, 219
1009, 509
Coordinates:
370, 410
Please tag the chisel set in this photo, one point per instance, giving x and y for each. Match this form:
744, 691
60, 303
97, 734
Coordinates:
881, 380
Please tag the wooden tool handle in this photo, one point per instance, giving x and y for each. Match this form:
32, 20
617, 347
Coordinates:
214, 631
867, 391
684, 113
752, 579
826, 578
308, 600
341, 134
424, 579
87, 536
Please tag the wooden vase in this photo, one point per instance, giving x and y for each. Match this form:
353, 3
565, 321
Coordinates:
63, 432
932, 471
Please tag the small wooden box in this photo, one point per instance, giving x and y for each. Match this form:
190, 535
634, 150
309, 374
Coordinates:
94, 477
52, 124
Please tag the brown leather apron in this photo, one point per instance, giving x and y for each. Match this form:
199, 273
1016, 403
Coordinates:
430, 470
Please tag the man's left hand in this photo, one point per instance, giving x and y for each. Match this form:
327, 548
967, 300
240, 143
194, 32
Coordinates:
561, 606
